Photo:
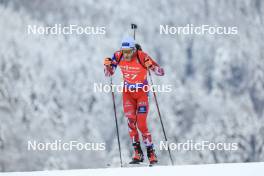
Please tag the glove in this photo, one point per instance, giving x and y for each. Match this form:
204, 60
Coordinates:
148, 63
159, 71
107, 61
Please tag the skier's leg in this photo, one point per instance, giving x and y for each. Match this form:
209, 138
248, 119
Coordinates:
129, 106
142, 112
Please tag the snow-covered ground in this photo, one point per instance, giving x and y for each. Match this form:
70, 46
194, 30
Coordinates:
47, 81
234, 169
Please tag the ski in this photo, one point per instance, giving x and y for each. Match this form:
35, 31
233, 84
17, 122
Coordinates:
140, 164
154, 164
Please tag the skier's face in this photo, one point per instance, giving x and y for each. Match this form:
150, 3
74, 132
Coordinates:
127, 53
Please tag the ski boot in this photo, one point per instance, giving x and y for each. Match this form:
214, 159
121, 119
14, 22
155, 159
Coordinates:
138, 154
151, 155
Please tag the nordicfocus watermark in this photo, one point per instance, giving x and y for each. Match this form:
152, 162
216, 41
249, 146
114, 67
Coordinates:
59, 145
191, 29
122, 87
191, 145
59, 29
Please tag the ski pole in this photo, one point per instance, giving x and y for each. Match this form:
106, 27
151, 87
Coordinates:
157, 106
117, 131
134, 27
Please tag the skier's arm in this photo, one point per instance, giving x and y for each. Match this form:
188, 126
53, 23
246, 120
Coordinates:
152, 65
110, 66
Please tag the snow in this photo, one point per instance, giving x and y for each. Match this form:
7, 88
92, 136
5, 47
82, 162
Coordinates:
46, 81
234, 169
